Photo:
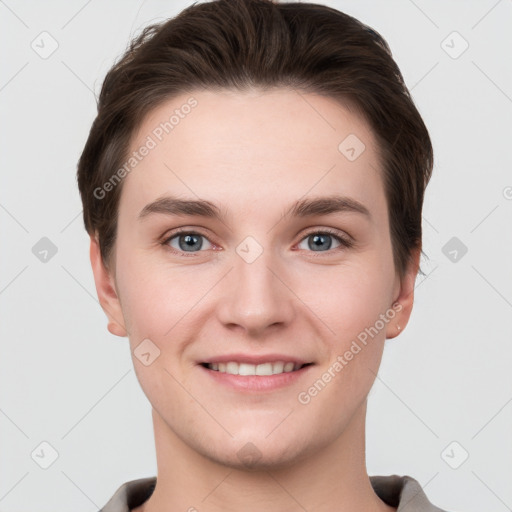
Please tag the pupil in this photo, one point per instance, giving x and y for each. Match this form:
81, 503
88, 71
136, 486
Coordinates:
190, 242
318, 240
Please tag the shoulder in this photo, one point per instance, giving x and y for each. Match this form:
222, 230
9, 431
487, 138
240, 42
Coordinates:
130, 495
403, 492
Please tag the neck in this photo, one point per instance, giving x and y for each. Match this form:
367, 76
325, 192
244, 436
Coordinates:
333, 478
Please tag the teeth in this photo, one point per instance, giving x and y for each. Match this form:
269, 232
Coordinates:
288, 367
277, 367
232, 368
235, 368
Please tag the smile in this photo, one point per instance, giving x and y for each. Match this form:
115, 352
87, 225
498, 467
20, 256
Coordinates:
264, 369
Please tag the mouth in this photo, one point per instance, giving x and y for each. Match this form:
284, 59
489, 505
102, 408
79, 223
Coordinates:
264, 369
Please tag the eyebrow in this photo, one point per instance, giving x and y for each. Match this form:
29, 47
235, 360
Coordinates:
327, 205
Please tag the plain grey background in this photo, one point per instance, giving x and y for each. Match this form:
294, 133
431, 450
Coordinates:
444, 390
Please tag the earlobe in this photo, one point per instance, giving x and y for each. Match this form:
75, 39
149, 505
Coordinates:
404, 298
116, 329
107, 294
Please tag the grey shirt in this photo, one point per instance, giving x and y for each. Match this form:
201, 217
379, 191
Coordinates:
403, 492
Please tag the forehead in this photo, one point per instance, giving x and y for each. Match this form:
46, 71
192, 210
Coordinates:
240, 146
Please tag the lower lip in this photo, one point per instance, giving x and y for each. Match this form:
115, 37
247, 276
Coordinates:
256, 382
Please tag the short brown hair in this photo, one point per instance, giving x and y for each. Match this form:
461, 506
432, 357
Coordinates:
237, 44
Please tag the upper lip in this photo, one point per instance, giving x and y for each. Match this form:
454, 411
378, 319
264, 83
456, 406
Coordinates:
255, 359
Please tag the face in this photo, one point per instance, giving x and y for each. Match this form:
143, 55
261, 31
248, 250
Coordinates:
248, 283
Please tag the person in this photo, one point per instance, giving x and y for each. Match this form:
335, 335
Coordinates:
252, 187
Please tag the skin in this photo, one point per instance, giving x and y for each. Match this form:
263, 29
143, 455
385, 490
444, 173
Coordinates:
254, 154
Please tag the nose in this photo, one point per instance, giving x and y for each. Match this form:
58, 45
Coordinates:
256, 296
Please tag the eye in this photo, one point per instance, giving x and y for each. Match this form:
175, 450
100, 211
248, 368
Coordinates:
182, 241
186, 241
322, 240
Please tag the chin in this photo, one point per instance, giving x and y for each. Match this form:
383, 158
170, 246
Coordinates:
256, 452
251, 458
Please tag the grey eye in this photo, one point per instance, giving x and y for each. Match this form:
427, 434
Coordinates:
188, 242
319, 242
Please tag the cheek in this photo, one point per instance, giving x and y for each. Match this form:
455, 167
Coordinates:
342, 383
348, 300
354, 310
156, 297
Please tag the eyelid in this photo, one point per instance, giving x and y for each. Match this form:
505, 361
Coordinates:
345, 240
169, 235
345, 237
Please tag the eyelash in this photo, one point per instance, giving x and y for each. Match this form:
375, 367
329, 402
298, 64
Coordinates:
345, 242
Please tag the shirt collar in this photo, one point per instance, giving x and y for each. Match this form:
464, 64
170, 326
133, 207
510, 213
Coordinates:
403, 492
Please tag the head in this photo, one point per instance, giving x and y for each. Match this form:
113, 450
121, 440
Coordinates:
256, 109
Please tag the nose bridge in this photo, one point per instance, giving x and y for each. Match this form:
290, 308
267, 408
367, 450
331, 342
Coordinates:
256, 296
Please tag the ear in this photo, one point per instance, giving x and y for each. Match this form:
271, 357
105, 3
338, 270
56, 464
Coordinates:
107, 294
404, 297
